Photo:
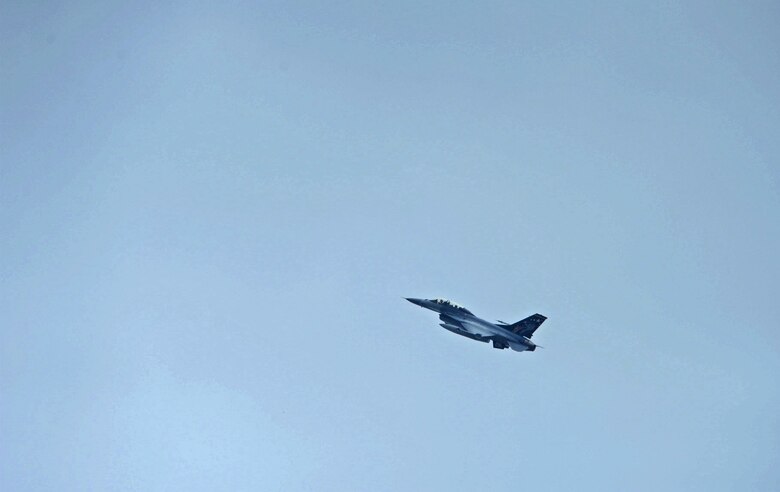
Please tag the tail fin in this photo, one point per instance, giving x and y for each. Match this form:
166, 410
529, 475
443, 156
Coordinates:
527, 326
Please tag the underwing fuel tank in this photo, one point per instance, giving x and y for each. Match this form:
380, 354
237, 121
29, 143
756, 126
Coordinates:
459, 331
450, 327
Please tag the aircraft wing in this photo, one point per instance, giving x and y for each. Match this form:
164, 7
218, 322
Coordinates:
469, 328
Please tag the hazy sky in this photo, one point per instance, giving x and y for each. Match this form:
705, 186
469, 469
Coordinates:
210, 212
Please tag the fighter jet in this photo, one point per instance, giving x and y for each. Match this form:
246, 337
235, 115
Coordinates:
460, 320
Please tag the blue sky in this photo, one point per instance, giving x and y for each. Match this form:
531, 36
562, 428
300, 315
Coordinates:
210, 215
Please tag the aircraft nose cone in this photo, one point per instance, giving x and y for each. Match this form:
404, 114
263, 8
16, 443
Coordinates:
419, 302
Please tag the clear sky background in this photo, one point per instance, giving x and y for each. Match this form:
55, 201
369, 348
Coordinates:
210, 213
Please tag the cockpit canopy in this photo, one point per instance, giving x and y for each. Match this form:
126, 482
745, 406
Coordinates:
447, 302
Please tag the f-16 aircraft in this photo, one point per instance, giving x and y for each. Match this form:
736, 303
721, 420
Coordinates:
460, 320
